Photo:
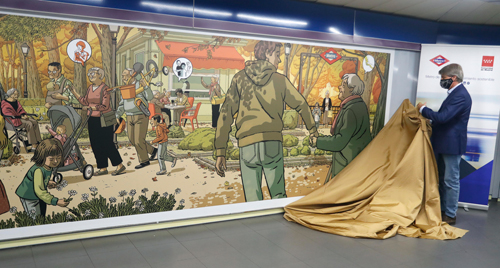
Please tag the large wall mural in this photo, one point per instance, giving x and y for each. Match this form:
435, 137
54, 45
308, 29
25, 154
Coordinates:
102, 121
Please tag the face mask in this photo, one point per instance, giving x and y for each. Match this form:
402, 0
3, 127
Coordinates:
446, 83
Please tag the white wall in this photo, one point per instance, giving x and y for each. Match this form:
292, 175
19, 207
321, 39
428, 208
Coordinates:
404, 79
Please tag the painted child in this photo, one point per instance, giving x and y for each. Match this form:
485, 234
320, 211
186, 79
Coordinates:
317, 114
60, 134
161, 139
33, 189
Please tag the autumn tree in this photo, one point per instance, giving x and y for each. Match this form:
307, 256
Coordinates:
21, 30
105, 40
211, 45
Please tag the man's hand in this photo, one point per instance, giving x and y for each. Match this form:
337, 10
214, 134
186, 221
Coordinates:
24, 116
419, 105
313, 140
220, 166
51, 185
57, 96
61, 203
144, 83
118, 120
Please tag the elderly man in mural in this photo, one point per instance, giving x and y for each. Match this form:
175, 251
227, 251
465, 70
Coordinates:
327, 106
350, 129
258, 94
58, 87
137, 121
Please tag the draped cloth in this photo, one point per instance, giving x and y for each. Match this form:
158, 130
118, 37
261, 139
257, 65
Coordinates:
390, 188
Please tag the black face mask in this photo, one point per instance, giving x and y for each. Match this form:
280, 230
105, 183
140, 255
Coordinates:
446, 83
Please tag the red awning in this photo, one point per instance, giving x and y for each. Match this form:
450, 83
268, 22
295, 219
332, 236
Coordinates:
224, 57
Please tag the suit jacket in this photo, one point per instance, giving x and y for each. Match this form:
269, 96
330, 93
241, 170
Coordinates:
351, 135
449, 124
329, 104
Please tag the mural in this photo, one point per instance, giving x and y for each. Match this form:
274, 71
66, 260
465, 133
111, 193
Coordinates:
103, 121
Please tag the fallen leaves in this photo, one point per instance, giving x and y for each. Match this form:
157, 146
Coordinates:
155, 179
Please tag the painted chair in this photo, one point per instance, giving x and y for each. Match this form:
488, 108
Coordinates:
191, 114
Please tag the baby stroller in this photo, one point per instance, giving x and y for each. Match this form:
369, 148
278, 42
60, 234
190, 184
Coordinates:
58, 115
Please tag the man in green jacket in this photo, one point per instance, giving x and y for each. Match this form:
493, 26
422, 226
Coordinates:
350, 129
258, 94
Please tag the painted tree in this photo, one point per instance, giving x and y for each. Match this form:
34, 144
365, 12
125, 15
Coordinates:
211, 45
21, 30
105, 40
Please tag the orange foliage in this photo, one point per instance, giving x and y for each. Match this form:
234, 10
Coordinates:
377, 88
349, 67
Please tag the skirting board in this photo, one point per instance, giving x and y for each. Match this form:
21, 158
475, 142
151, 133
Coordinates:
58, 232
473, 206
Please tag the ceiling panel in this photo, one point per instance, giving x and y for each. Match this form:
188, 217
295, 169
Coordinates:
429, 10
396, 5
464, 11
366, 4
482, 14
334, 2
460, 10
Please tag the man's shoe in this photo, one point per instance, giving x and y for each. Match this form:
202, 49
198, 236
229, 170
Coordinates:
141, 165
118, 171
449, 220
161, 172
153, 154
174, 162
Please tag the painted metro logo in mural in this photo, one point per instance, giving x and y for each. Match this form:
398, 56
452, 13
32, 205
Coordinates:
439, 60
331, 56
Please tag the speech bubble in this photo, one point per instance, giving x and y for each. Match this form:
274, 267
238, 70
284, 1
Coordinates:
368, 63
182, 68
79, 51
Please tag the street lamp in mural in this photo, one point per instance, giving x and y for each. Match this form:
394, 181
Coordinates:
288, 47
26, 50
114, 29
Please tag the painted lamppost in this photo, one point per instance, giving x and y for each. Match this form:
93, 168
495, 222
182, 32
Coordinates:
114, 29
288, 47
26, 50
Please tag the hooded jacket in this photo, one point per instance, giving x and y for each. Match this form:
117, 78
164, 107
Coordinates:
161, 133
258, 94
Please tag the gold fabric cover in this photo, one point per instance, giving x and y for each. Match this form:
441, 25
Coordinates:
390, 187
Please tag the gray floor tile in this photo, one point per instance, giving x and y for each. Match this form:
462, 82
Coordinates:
263, 223
73, 262
260, 250
228, 227
57, 251
107, 244
332, 260
189, 263
207, 246
16, 256
295, 243
152, 238
128, 258
231, 259
373, 259
160, 254
292, 265
191, 232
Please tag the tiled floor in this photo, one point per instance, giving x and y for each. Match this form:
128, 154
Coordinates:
268, 242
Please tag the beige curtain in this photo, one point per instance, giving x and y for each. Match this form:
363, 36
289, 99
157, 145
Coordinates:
390, 188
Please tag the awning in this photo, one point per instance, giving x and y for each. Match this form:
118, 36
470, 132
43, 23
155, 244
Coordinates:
224, 57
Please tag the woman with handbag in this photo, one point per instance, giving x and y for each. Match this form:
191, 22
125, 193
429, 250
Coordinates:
215, 98
101, 122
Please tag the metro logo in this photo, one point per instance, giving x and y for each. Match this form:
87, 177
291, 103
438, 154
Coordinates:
331, 56
439, 60
488, 61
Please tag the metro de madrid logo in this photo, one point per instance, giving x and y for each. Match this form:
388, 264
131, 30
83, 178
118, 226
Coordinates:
439, 60
487, 63
331, 56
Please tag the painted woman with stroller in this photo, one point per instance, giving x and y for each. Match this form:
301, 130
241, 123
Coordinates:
101, 137
12, 107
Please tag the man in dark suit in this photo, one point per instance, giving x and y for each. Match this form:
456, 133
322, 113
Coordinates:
449, 137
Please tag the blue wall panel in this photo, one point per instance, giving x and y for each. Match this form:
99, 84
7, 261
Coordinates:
310, 17
385, 26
